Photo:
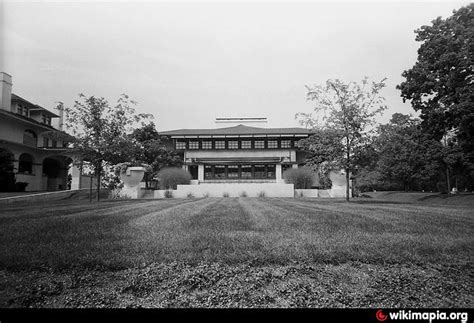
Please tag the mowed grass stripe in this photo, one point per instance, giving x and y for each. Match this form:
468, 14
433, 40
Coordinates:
416, 219
368, 241
215, 229
93, 238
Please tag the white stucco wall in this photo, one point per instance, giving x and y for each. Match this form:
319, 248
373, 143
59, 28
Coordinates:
232, 189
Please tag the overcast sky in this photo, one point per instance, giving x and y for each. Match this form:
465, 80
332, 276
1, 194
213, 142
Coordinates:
188, 63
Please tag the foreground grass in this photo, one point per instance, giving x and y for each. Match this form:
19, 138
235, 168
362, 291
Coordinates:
236, 252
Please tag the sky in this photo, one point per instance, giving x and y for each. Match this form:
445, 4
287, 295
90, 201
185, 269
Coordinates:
188, 63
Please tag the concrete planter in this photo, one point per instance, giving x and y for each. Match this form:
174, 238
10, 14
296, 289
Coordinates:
131, 180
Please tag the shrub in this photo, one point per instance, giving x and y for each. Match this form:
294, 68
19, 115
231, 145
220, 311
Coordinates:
243, 194
205, 195
261, 194
301, 177
168, 194
117, 194
20, 186
170, 178
225, 194
190, 195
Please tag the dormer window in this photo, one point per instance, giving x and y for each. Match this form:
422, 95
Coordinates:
46, 119
23, 110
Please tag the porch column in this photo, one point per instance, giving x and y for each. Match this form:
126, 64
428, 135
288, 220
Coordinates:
76, 173
200, 172
278, 174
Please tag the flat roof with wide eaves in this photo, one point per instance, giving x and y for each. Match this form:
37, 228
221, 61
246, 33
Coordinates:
237, 131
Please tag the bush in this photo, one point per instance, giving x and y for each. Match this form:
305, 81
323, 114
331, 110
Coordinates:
168, 194
225, 194
190, 195
170, 178
302, 178
117, 194
243, 194
20, 186
261, 194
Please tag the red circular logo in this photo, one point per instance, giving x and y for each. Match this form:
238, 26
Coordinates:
380, 316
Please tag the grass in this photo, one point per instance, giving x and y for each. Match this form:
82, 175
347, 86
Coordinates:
275, 246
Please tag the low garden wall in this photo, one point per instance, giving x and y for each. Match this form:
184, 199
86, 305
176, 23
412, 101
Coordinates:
231, 190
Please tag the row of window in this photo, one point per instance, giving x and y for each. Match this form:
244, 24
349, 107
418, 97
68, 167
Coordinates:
30, 139
46, 143
234, 144
239, 171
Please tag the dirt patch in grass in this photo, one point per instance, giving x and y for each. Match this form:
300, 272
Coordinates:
211, 284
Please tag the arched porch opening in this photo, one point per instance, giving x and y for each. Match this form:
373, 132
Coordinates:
55, 173
7, 173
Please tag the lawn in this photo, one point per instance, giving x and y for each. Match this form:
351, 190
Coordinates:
236, 252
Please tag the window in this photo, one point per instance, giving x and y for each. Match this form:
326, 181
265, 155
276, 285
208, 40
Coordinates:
246, 144
26, 112
55, 143
45, 142
19, 110
246, 171
220, 144
271, 171
207, 172
194, 145
286, 144
232, 171
259, 144
219, 171
272, 144
181, 145
233, 144
46, 119
259, 171
207, 145
29, 138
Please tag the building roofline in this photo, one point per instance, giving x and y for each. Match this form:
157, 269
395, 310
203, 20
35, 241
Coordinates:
31, 121
237, 131
16, 97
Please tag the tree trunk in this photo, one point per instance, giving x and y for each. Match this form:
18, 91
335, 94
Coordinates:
90, 188
448, 183
347, 184
98, 187
99, 171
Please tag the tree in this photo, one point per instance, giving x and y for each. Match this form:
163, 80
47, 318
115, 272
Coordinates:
406, 156
349, 111
441, 83
153, 150
100, 131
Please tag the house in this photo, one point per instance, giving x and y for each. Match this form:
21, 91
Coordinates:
26, 133
241, 153
238, 160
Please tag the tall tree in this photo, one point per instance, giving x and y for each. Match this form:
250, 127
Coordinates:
349, 110
100, 131
441, 83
